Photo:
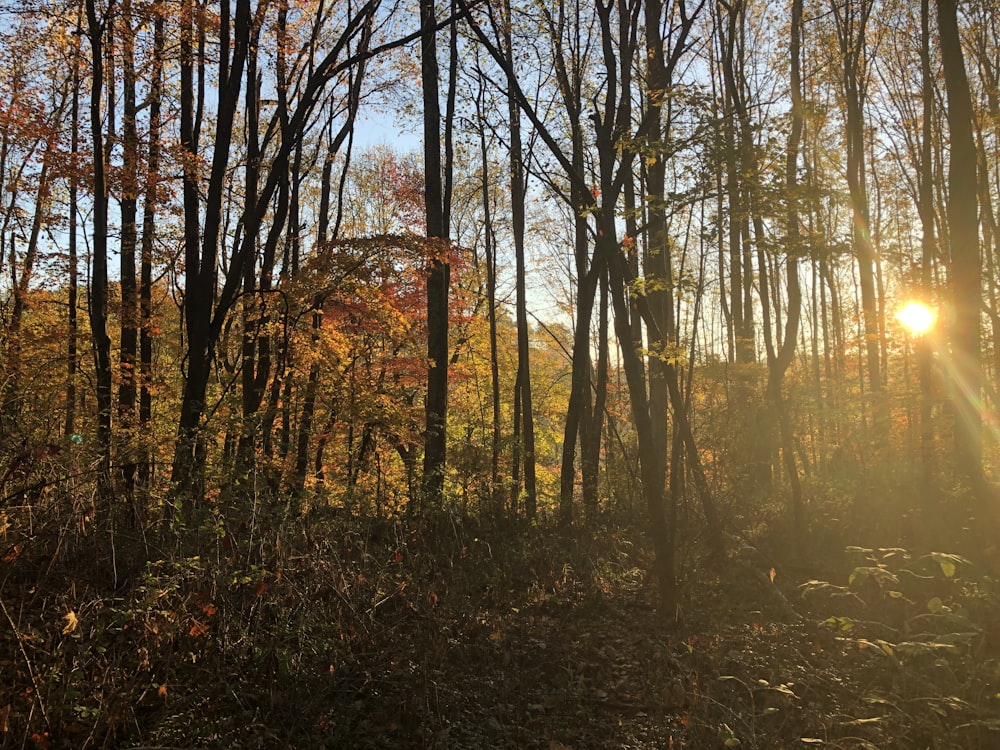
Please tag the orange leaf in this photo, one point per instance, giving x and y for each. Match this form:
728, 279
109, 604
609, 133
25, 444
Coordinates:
162, 690
260, 589
198, 629
209, 609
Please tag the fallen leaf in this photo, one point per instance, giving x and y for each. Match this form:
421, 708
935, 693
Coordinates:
198, 629
71, 622
4, 717
162, 690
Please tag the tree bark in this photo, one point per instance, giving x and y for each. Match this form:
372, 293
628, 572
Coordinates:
99, 264
436, 400
966, 256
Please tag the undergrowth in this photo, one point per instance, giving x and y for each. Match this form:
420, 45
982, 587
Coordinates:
332, 631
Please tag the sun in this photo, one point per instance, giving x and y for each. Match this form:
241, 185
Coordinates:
917, 317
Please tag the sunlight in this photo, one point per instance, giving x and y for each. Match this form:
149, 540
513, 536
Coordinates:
917, 317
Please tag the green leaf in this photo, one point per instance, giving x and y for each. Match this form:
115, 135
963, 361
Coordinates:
948, 563
877, 573
858, 576
842, 624
935, 606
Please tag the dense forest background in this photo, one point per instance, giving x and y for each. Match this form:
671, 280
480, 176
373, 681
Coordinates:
641, 393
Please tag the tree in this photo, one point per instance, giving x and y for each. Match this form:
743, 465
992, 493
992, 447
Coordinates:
436, 399
96, 25
779, 361
966, 256
523, 404
206, 307
852, 19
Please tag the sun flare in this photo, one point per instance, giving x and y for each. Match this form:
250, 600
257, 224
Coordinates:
917, 317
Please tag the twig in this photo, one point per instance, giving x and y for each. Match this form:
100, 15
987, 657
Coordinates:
27, 663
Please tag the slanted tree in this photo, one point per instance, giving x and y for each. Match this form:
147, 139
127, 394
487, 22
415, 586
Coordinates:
206, 303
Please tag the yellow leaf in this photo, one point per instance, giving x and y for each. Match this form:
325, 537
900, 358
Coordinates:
773, 574
71, 622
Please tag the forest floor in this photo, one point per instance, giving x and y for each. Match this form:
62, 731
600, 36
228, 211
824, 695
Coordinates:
376, 638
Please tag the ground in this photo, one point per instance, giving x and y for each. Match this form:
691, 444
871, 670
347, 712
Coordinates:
374, 637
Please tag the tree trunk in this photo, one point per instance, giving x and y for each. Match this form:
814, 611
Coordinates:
436, 401
99, 265
852, 20
146, 252
927, 248
201, 241
72, 333
517, 198
966, 262
129, 242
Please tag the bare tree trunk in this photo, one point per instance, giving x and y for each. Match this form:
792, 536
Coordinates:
496, 494
436, 403
778, 363
852, 20
146, 252
72, 356
129, 242
927, 247
517, 198
99, 265
966, 256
